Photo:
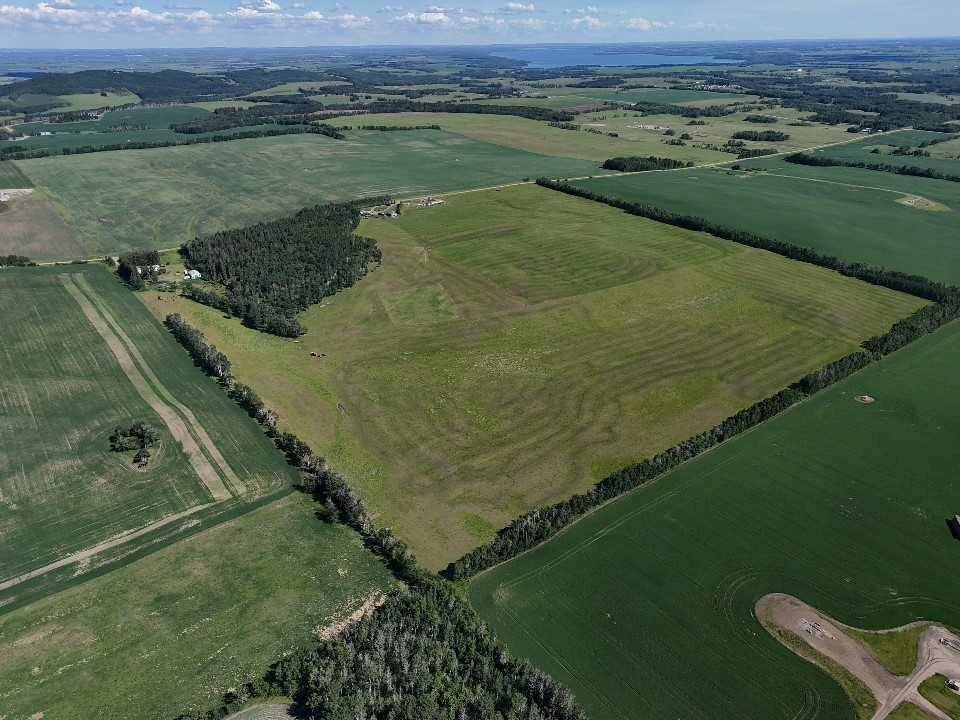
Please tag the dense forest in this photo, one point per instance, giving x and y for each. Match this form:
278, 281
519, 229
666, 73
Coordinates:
424, 653
273, 270
637, 163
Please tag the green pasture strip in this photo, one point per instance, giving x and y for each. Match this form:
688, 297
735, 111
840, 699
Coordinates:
851, 213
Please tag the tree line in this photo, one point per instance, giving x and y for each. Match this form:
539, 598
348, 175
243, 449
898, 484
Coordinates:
912, 170
761, 135
424, 653
638, 163
540, 524
16, 261
12, 153
273, 270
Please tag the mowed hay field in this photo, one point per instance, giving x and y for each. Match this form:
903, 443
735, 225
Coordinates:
894, 221
176, 630
645, 607
518, 345
62, 393
163, 197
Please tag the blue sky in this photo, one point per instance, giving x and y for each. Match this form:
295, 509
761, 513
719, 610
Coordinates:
182, 23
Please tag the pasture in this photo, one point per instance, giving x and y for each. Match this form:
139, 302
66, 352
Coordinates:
83, 357
645, 608
879, 150
163, 197
895, 221
518, 345
174, 631
539, 137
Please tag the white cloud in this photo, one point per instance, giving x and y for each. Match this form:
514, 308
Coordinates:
587, 22
519, 7
641, 23
425, 18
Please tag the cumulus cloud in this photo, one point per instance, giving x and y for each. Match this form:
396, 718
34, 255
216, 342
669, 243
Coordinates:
519, 7
587, 22
641, 23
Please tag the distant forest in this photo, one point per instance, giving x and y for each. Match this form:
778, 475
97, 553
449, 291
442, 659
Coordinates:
273, 270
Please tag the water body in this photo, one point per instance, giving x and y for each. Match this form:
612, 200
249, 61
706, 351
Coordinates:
555, 56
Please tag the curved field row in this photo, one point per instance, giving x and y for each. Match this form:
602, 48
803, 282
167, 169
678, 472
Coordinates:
518, 345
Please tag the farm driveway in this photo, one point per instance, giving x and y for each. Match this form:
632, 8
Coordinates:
829, 638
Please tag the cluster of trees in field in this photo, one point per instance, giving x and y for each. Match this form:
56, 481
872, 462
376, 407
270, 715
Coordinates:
760, 119
747, 153
16, 261
825, 161
14, 153
412, 106
274, 270
761, 135
227, 118
145, 260
140, 437
540, 524
637, 163
393, 128
424, 653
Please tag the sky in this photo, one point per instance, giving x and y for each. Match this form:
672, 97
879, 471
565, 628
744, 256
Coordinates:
273, 23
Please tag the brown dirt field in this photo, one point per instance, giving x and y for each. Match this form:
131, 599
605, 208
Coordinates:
31, 226
178, 428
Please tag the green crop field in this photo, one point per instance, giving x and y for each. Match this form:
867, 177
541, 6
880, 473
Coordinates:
62, 491
11, 177
174, 631
518, 345
163, 197
863, 151
645, 607
899, 222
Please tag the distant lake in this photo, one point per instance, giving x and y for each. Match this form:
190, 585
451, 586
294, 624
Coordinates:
554, 56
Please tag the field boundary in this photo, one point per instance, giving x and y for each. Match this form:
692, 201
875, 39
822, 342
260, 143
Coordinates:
117, 540
175, 424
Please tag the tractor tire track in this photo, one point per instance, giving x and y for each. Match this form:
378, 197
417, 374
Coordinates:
175, 424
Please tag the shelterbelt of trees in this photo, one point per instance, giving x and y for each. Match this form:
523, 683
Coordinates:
273, 270
13, 153
535, 527
824, 161
638, 163
424, 653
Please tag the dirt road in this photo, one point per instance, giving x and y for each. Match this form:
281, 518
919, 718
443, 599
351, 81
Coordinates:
81, 291
829, 638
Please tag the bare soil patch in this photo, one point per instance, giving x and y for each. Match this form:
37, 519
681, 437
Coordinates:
921, 203
937, 653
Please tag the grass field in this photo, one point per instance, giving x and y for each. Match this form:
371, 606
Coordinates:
164, 197
518, 345
12, 177
177, 629
70, 378
935, 690
862, 151
645, 607
534, 136
858, 215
